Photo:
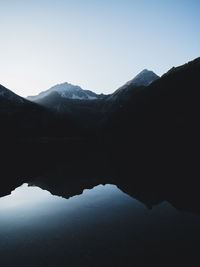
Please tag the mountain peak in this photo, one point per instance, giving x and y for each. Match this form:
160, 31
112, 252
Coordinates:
144, 78
67, 90
143, 71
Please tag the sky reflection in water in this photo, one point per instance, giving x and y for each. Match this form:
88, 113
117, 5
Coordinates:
101, 227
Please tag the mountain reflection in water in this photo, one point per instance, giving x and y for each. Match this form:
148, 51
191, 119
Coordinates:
101, 227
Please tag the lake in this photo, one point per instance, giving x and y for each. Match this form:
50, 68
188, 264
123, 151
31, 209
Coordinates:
103, 226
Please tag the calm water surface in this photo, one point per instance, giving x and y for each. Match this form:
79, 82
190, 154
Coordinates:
101, 227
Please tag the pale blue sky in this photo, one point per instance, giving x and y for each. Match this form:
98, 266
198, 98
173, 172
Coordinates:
98, 45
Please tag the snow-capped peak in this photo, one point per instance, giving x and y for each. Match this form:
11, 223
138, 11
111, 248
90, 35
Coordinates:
69, 91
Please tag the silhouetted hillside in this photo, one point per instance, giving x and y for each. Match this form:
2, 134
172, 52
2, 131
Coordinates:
20, 118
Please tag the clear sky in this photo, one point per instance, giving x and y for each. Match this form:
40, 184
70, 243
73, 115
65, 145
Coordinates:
98, 45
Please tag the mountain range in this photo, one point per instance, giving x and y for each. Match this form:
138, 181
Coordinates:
69, 91
66, 91
84, 106
146, 102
